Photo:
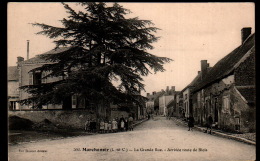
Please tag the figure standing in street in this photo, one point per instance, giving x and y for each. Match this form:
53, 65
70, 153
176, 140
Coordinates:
126, 124
209, 124
122, 123
118, 123
114, 125
190, 122
87, 125
106, 126
102, 126
109, 126
130, 123
93, 125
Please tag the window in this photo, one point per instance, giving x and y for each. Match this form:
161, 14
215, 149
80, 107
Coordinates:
44, 80
37, 78
237, 121
74, 101
237, 125
30, 78
226, 103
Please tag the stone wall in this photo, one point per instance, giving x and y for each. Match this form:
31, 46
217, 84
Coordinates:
74, 119
245, 73
118, 114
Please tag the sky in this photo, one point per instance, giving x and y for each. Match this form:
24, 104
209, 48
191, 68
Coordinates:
189, 33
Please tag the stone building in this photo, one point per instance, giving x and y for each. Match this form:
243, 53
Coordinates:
179, 106
165, 99
33, 78
227, 92
13, 87
186, 92
152, 104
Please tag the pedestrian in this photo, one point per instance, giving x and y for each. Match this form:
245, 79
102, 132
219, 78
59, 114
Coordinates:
130, 123
102, 126
91, 125
190, 122
87, 125
109, 126
126, 124
122, 123
114, 125
106, 126
118, 123
209, 124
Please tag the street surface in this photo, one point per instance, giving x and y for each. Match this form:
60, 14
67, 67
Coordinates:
162, 139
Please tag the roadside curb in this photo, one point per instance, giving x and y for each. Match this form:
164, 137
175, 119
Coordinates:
220, 134
135, 124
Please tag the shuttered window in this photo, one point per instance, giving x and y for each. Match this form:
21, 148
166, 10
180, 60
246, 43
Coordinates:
44, 80
74, 101
30, 78
226, 103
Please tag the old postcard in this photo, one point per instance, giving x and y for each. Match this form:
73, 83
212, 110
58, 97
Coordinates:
131, 81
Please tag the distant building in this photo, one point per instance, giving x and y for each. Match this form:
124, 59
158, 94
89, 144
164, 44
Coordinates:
179, 106
172, 105
13, 86
152, 105
187, 95
165, 99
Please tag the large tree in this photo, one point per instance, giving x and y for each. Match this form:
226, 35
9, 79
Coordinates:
103, 46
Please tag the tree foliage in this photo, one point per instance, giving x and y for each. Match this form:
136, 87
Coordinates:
103, 46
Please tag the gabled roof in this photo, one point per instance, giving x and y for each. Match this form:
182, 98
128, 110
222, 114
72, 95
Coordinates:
194, 82
153, 97
226, 65
171, 103
37, 58
13, 73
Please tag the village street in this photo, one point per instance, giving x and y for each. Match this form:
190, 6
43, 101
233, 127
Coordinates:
163, 139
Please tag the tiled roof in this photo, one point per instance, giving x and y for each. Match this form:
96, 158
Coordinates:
158, 94
248, 93
225, 66
12, 73
37, 58
194, 82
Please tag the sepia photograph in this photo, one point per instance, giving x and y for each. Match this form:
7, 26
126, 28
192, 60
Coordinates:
131, 81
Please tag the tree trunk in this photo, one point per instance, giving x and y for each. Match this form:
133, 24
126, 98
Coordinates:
67, 103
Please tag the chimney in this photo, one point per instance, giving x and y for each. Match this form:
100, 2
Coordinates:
173, 88
28, 41
204, 66
167, 89
245, 32
154, 92
148, 94
20, 59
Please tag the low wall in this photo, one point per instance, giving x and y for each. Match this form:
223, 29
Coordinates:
119, 114
74, 119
